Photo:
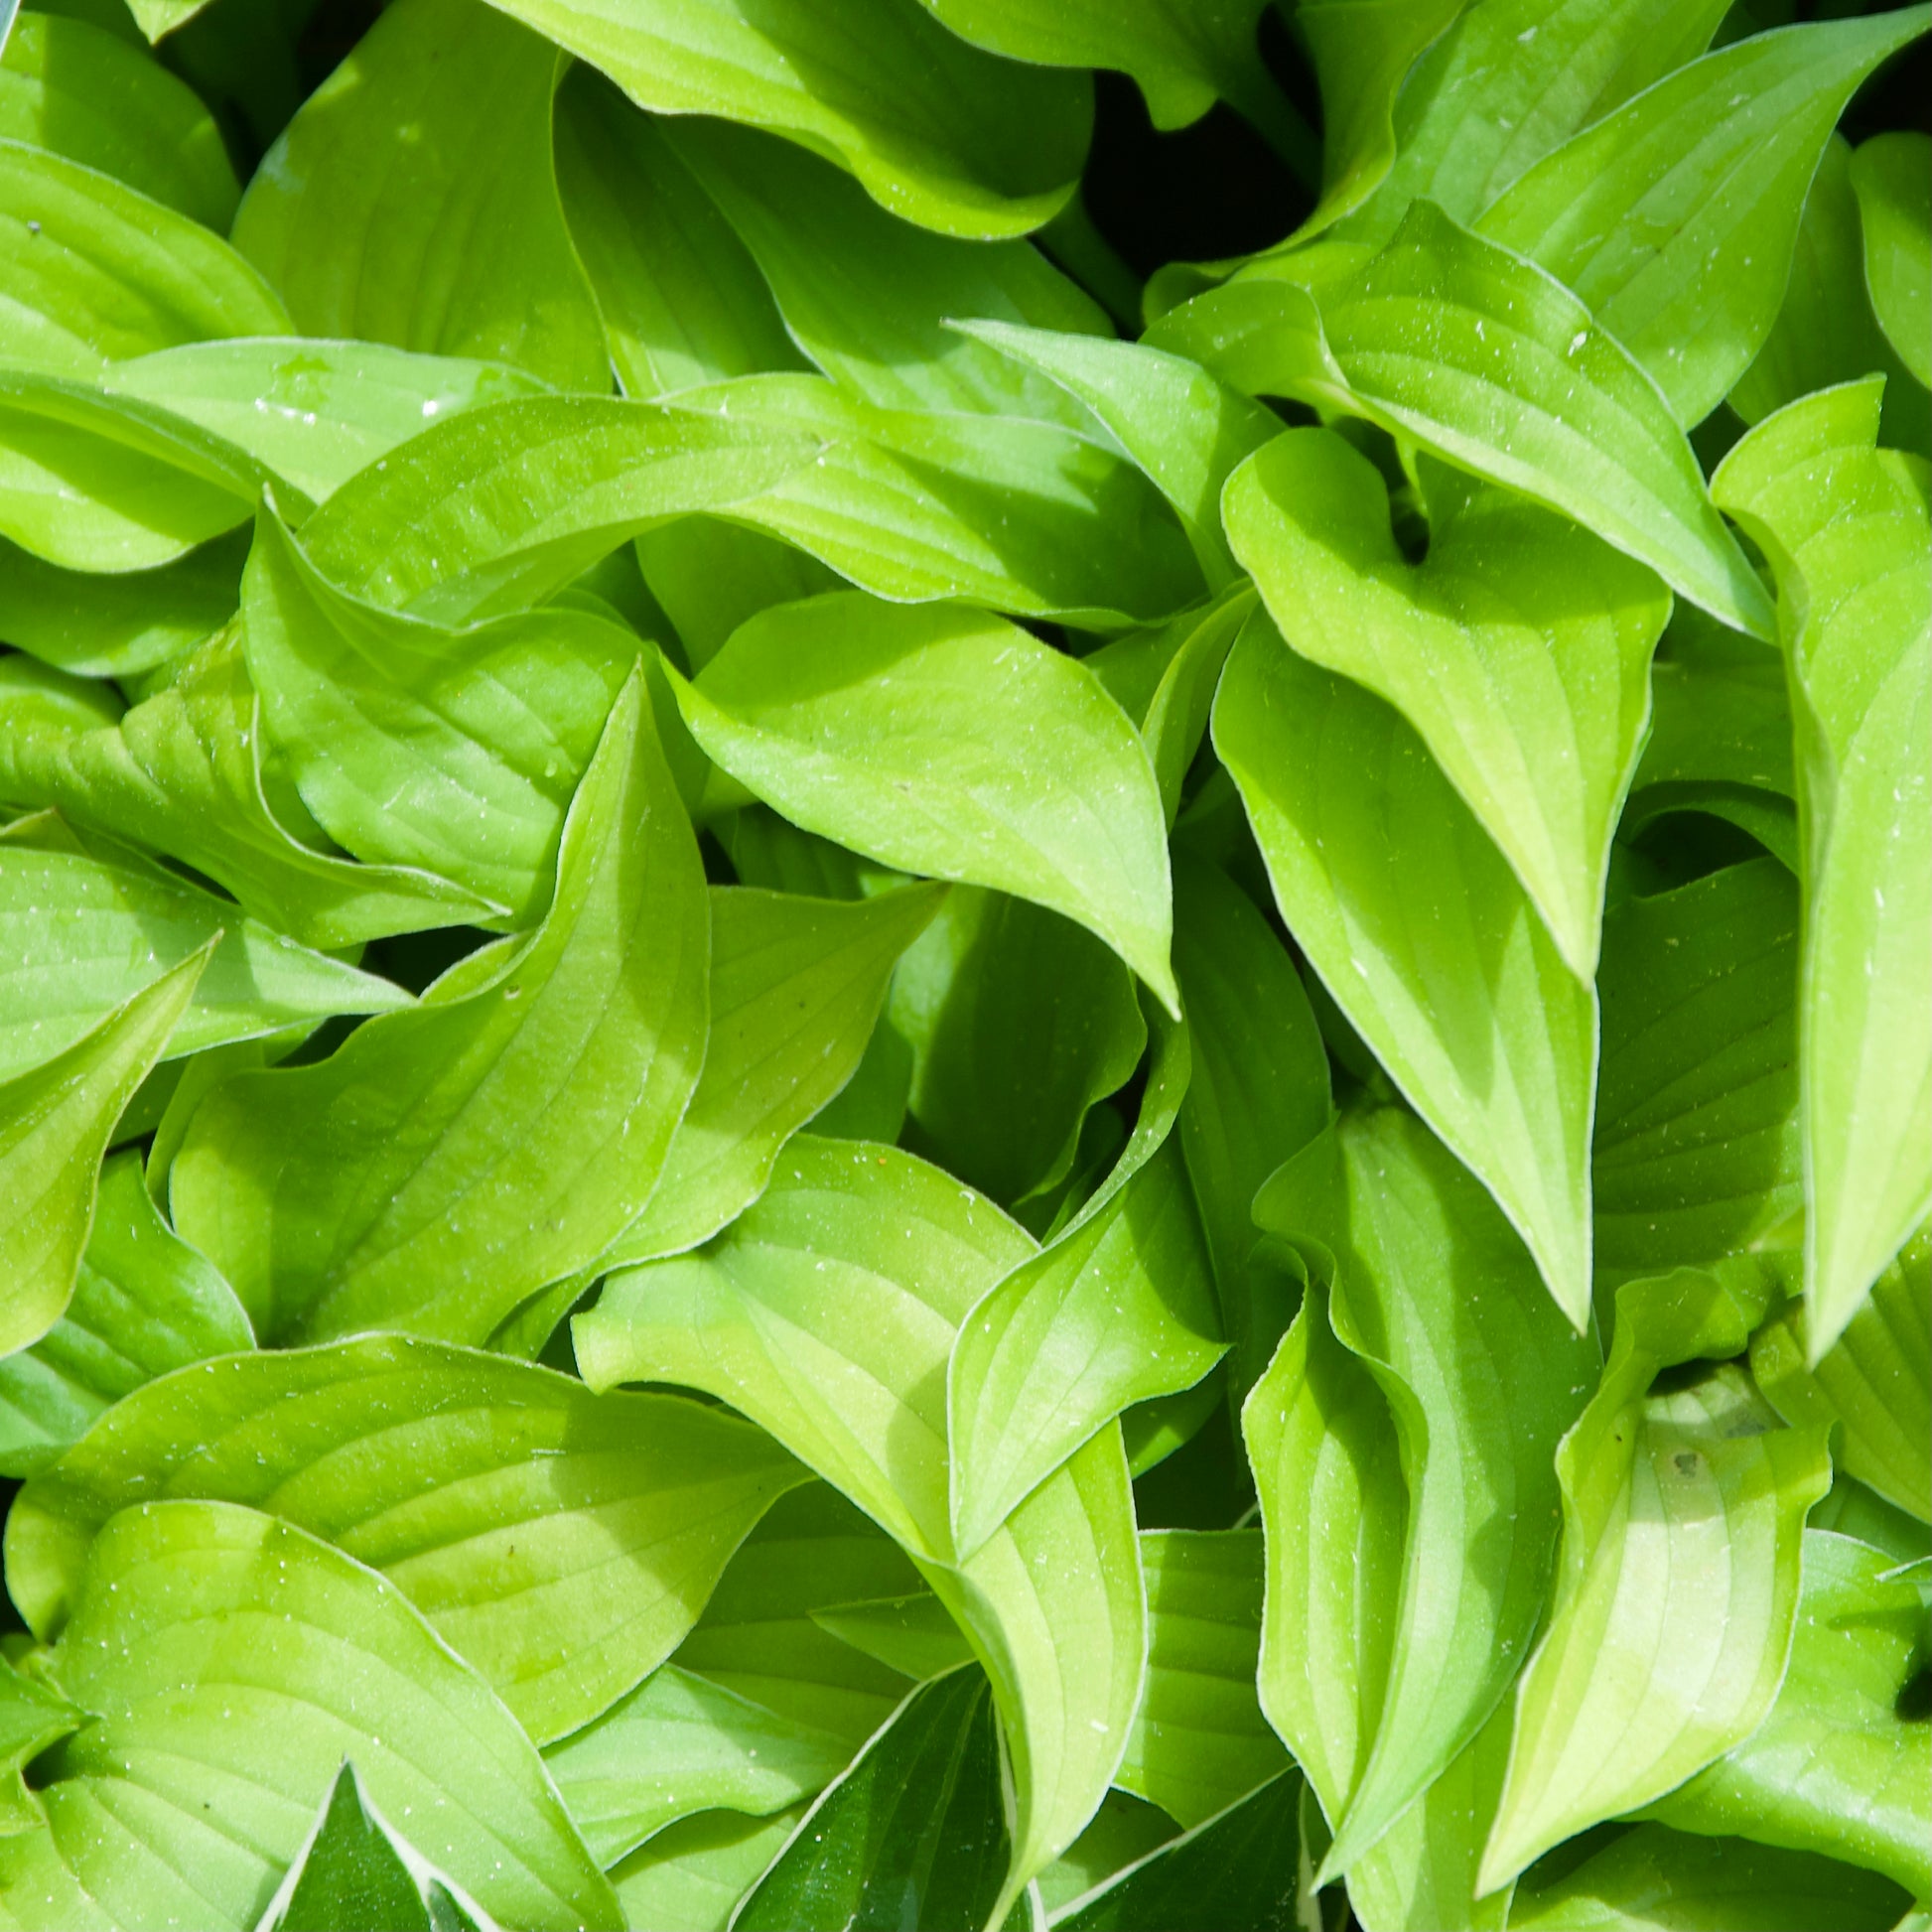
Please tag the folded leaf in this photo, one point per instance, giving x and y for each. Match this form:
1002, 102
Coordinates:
78, 92
1845, 527
1696, 1153
448, 1162
32, 1717
144, 1302
936, 131
914, 1634
1519, 649
796, 987
1418, 928
1889, 174
193, 1609
1439, 1299
184, 770
910, 735
84, 922
93, 271
1675, 217
1677, 1587
1837, 1766
562, 1543
56, 1121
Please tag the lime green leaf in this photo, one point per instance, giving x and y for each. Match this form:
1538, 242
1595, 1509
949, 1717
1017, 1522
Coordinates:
93, 271
915, 1828
1438, 1299
1696, 1153
919, 737
1875, 1380
519, 1120
1017, 1021
184, 770
32, 1717
83, 922
827, 1313
55, 1120
1519, 649
683, 302
144, 1302
563, 1543
1677, 1587
1199, 1741
690, 1877
1124, 1830
936, 131
1644, 217
190, 1609
680, 1745
796, 987
412, 201
1836, 1766
914, 1634
1890, 175
1845, 527
1423, 934
866, 295
1663, 1881
78, 91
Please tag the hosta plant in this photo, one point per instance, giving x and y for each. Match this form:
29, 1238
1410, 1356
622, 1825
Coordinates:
965, 965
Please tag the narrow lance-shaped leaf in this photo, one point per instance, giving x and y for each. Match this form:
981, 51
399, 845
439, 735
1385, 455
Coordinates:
1845, 527
516, 1127
1418, 928
1519, 649
55, 1120
1889, 174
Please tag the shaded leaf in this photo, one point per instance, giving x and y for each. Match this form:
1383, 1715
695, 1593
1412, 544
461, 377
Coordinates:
1890, 175
690, 1877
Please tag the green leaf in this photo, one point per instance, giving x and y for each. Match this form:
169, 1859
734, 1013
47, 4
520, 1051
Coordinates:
1696, 1153
1836, 1766
561, 1542
448, 1162
144, 1302
867, 295
184, 770
1890, 176
1664, 1881
910, 735
1199, 1741
936, 131
826, 1312
1875, 1380
1845, 527
55, 1120
1242, 1867
914, 1634
913, 1833
1677, 1585
1184, 428
1119, 1310
355, 1871
680, 1745
1519, 649
32, 1717
93, 271
797, 986
1424, 936
1123, 1831
412, 201
193, 1609
1439, 1299
1018, 1022
690, 1877
84, 922
1645, 216
70, 87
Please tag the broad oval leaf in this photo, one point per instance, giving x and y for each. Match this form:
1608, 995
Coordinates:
1845, 526
1519, 649
1888, 175
1418, 928
448, 1162
562, 1543
951, 744
190, 1610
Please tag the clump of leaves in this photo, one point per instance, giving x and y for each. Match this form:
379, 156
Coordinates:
938, 989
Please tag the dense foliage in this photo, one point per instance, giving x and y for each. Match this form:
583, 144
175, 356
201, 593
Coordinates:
965, 964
